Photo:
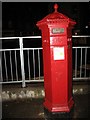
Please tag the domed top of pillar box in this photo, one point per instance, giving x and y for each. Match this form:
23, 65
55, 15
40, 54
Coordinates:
56, 18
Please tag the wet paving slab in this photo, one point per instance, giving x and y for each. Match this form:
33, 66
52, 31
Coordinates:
33, 108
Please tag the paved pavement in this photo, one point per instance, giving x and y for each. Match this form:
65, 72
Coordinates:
33, 109
27, 103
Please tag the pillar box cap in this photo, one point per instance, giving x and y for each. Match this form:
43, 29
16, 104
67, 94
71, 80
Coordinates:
55, 17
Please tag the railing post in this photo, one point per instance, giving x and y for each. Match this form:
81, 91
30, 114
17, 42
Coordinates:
0, 61
22, 62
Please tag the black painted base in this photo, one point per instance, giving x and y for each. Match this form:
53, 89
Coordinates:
58, 115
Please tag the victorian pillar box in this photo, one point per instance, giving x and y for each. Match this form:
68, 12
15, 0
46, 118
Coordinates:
56, 31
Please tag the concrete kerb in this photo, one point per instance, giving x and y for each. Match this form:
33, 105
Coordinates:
35, 92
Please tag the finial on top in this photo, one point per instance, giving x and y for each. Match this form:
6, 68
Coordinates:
55, 7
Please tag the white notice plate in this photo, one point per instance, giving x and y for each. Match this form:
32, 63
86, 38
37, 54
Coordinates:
58, 53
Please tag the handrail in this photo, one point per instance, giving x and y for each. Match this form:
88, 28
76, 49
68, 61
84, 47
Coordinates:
40, 37
32, 58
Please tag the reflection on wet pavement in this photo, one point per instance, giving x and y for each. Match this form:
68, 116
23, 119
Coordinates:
33, 108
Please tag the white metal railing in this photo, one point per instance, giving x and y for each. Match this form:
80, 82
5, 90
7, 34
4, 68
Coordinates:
25, 64
81, 65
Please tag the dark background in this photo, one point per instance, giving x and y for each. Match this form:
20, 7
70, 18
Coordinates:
20, 18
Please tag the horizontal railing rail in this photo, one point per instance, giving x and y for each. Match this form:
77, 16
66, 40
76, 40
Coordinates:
25, 64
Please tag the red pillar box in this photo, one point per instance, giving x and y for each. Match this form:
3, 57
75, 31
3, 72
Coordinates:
57, 57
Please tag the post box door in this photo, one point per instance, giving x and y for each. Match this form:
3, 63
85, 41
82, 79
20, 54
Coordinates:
59, 74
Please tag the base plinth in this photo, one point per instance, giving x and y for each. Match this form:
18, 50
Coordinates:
58, 108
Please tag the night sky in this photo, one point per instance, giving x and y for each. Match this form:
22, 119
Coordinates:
22, 17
